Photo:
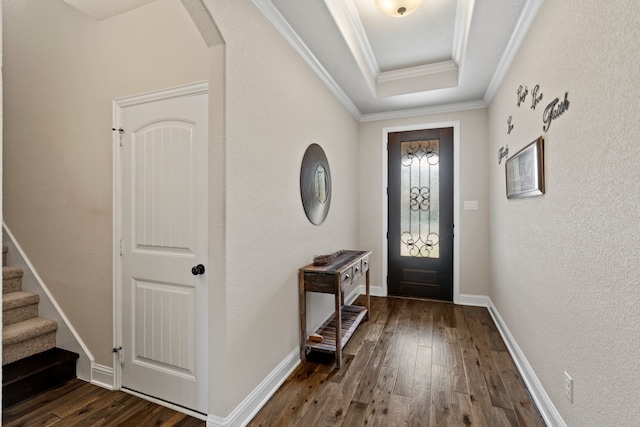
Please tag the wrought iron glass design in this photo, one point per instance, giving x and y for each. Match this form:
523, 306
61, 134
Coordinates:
420, 199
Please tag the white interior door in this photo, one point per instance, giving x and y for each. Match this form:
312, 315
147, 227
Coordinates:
164, 236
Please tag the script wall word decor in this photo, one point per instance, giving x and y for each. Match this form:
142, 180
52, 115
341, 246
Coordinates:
502, 153
522, 95
535, 98
509, 125
555, 109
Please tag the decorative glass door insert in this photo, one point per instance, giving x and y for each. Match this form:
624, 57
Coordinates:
420, 199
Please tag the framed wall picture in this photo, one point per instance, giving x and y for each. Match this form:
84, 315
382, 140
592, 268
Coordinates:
525, 171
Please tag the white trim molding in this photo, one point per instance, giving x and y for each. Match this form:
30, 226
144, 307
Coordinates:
455, 124
277, 20
250, 406
66, 335
544, 404
541, 398
102, 376
527, 17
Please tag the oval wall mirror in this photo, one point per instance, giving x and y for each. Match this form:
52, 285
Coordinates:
315, 184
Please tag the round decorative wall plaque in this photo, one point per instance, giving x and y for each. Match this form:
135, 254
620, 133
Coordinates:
315, 184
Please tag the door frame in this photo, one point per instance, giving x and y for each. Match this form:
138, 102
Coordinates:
456, 196
118, 104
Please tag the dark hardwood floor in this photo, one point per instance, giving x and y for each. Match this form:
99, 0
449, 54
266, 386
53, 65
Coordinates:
414, 363
78, 403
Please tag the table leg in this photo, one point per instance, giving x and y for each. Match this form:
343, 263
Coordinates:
338, 316
303, 318
368, 298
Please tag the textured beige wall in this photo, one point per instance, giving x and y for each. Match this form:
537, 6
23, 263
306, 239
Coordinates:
275, 107
565, 266
62, 71
471, 233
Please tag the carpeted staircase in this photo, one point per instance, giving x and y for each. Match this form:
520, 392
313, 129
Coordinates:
31, 363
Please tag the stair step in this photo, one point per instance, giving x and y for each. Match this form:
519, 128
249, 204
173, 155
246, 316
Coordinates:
37, 373
26, 338
11, 279
19, 306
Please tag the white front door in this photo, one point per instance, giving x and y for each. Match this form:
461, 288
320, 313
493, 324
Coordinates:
164, 239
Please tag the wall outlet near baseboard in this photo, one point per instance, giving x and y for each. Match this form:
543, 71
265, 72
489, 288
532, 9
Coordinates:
568, 386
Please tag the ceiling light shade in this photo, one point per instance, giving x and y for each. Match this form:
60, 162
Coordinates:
399, 8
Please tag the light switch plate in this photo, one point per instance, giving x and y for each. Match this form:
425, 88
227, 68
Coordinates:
470, 205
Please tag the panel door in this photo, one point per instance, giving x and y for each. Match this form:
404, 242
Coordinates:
164, 236
420, 198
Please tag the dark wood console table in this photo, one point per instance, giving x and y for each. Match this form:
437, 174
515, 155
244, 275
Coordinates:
333, 278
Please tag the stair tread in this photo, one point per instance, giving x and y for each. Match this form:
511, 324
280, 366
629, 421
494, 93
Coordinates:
33, 364
11, 272
27, 329
18, 299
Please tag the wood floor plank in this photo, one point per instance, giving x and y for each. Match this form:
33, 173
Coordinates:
478, 393
409, 351
44, 402
81, 404
497, 391
455, 363
523, 407
461, 410
125, 407
50, 403
316, 407
295, 389
449, 385
420, 408
378, 412
156, 416
355, 415
399, 408
440, 396
504, 417
347, 388
392, 359
425, 327
93, 412
370, 378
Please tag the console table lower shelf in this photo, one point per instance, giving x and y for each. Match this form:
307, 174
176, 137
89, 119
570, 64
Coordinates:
351, 317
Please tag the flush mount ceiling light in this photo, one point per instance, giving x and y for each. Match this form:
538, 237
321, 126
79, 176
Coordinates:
399, 8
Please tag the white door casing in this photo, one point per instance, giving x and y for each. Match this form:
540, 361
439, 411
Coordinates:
163, 209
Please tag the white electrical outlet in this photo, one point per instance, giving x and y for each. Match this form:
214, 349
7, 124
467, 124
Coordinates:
568, 386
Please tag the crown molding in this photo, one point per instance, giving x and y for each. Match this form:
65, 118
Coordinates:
418, 71
424, 111
281, 25
527, 17
461, 32
347, 20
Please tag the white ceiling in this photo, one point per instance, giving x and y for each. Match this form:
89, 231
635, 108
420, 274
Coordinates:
448, 55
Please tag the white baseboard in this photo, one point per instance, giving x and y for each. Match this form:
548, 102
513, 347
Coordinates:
66, 335
541, 398
102, 376
259, 396
474, 300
